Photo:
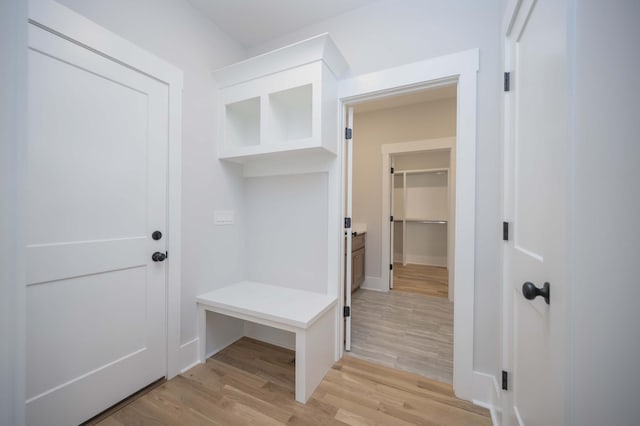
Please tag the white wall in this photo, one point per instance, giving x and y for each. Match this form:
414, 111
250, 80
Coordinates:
286, 231
176, 32
426, 160
604, 233
427, 120
390, 33
13, 51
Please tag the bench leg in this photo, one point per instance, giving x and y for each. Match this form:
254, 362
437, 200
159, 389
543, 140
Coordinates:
314, 355
202, 334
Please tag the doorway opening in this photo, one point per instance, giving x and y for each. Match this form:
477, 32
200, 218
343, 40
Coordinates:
461, 70
399, 193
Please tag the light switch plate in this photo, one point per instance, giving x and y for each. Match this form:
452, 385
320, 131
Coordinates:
223, 217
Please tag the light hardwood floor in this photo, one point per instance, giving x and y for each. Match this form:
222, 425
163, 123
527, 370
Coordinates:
252, 383
408, 331
421, 279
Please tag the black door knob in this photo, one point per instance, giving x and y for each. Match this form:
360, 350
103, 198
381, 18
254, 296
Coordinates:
156, 235
530, 291
158, 257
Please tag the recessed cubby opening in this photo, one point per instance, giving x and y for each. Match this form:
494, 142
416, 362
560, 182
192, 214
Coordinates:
242, 123
290, 114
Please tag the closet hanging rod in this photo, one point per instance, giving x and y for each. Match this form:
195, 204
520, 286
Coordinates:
426, 221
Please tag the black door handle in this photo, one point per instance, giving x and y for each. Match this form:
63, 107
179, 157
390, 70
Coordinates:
530, 291
158, 257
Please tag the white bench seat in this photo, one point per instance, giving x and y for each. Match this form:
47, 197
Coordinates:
311, 316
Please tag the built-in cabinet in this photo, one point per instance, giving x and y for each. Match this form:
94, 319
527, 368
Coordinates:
421, 212
281, 103
357, 261
278, 117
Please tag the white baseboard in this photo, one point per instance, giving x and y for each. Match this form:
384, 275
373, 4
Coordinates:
487, 394
188, 355
427, 260
374, 283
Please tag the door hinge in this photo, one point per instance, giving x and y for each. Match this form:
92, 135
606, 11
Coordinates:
348, 133
507, 81
505, 231
347, 223
392, 170
391, 266
346, 311
505, 380
391, 218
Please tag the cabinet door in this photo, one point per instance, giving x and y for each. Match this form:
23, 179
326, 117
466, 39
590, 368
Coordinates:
357, 270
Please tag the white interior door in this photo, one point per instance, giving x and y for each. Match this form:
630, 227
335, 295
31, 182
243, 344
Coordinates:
348, 214
97, 190
392, 226
535, 197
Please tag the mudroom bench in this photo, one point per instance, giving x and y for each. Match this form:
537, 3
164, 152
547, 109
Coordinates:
311, 316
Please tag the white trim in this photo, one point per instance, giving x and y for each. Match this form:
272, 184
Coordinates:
349, 241
509, 410
63, 22
189, 355
440, 261
518, 416
487, 393
374, 283
438, 144
58, 19
13, 68
461, 67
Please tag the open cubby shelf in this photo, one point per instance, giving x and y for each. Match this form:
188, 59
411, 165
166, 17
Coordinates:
242, 123
290, 115
281, 102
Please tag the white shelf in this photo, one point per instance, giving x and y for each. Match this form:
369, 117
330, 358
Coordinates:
290, 115
297, 308
242, 124
421, 200
280, 102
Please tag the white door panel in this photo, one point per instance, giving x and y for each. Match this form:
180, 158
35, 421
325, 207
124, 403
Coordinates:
535, 197
97, 189
348, 231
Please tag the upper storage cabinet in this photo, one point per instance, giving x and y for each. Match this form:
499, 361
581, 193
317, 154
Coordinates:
283, 101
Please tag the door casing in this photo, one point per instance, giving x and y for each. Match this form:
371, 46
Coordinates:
462, 69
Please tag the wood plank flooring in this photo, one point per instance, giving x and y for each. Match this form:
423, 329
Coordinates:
408, 331
421, 279
251, 382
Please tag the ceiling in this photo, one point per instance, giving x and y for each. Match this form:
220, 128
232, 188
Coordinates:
428, 95
251, 22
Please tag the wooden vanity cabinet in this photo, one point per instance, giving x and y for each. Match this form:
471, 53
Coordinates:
357, 261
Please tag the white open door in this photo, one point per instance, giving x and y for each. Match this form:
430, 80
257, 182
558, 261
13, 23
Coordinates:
535, 170
392, 191
97, 191
348, 228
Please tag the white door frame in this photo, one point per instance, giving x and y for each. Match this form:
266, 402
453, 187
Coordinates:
64, 22
462, 68
388, 150
13, 149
